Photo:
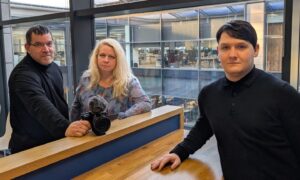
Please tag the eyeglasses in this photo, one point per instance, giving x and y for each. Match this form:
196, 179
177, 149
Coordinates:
103, 56
40, 45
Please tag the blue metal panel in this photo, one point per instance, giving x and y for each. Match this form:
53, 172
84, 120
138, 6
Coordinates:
85, 161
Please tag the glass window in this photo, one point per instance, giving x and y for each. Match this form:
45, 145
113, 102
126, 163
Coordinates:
29, 8
274, 42
208, 54
118, 29
145, 28
180, 87
180, 25
211, 19
174, 53
147, 68
180, 77
181, 54
151, 81
146, 55
101, 28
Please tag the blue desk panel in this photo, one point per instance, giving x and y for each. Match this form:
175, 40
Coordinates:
87, 160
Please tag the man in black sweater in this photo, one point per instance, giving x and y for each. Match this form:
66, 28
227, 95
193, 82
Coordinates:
254, 116
38, 110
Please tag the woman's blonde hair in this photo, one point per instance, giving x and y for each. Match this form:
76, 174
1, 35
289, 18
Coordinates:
122, 73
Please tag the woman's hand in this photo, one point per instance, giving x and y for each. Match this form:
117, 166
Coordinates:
121, 115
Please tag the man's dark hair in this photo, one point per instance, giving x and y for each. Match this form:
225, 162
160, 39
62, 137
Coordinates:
240, 30
37, 29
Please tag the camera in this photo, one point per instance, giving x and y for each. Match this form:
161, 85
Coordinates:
99, 122
97, 115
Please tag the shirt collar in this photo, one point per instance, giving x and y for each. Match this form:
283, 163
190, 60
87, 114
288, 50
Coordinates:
246, 80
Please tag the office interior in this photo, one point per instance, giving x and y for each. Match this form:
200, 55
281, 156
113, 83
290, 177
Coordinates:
158, 45
170, 47
170, 44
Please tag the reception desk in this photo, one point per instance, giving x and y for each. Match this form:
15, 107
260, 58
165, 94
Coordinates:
70, 157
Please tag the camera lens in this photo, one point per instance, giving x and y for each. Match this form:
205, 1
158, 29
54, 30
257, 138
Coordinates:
100, 125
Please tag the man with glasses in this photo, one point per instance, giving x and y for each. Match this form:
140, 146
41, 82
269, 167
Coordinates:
38, 110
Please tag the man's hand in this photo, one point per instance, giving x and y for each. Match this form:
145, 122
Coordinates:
160, 163
78, 128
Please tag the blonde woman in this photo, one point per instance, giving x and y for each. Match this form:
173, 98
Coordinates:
110, 77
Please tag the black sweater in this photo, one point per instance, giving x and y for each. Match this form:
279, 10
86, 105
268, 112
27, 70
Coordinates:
256, 122
38, 111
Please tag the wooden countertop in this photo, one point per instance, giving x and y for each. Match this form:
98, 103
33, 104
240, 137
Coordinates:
204, 164
41, 156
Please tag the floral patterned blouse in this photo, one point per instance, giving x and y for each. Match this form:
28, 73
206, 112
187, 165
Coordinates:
136, 102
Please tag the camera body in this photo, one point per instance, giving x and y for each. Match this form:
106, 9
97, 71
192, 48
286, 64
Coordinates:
99, 121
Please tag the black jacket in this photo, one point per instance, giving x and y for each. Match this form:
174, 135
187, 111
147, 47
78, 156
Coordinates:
38, 110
